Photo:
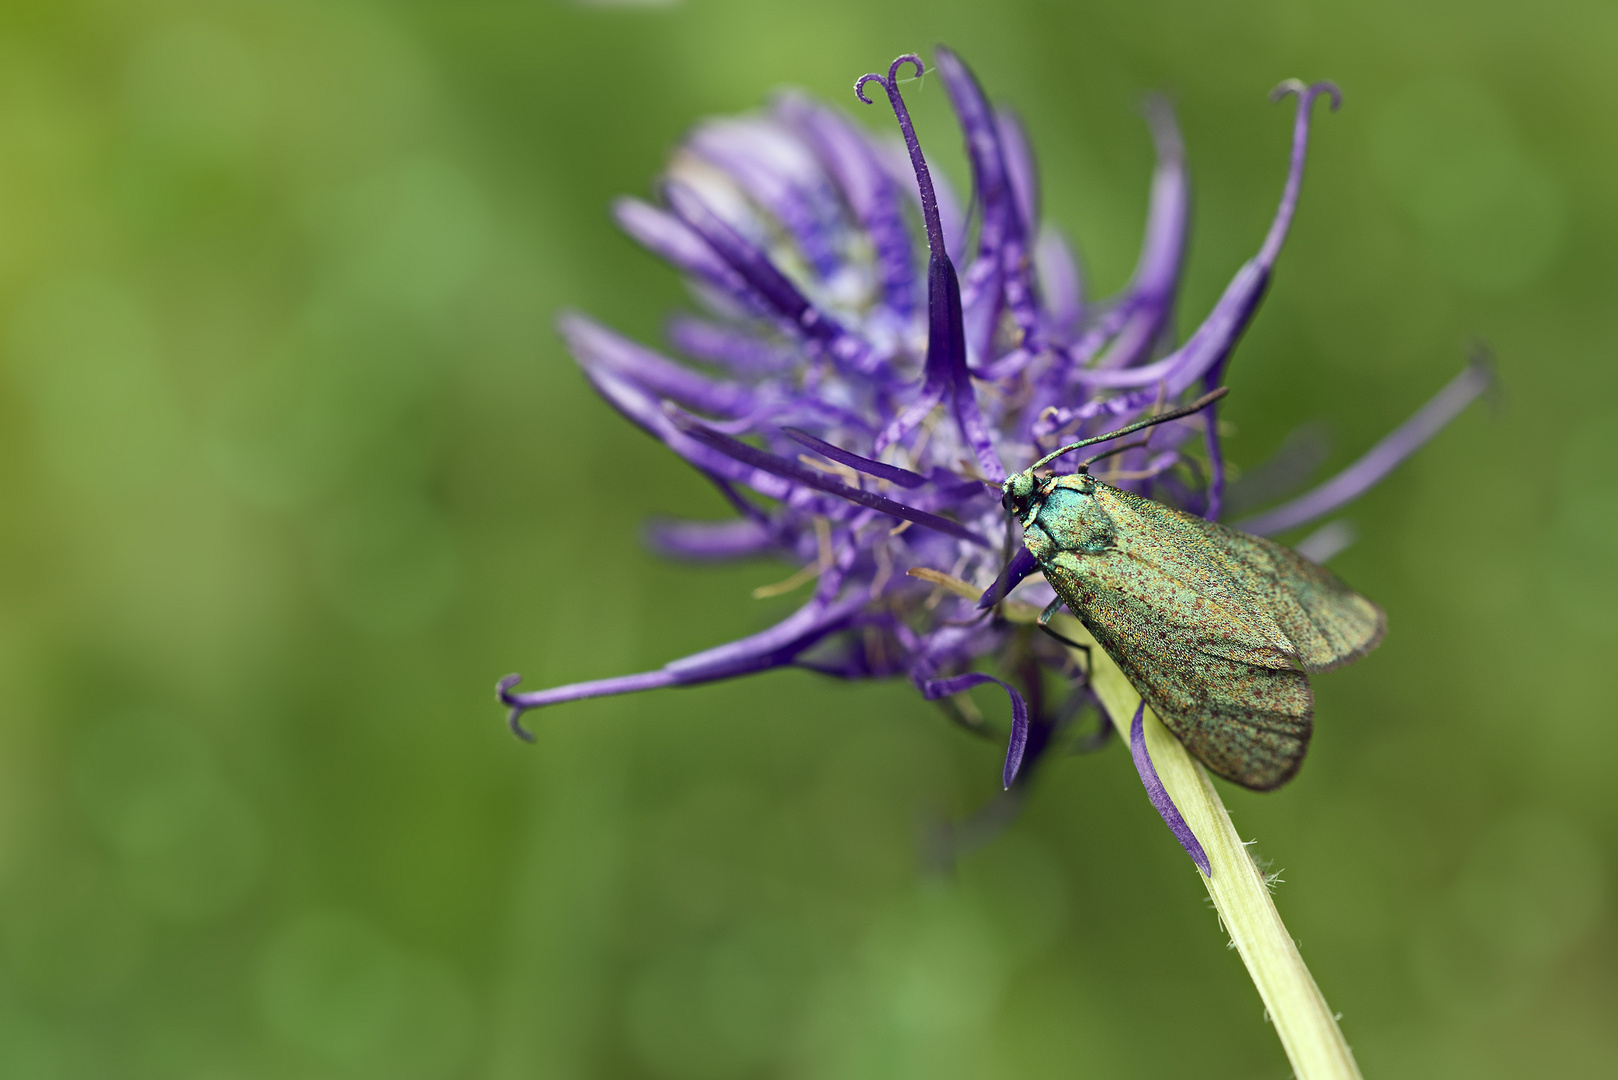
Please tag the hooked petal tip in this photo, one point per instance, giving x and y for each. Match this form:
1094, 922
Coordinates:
1307, 92
887, 82
502, 691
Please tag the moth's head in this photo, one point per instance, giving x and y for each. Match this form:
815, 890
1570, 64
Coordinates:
1017, 492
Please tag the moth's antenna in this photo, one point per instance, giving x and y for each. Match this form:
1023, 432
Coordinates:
1089, 461
1196, 406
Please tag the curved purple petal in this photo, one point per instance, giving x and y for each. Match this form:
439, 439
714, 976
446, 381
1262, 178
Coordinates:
1306, 95
775, 647
733, 347
663, 234
1159, 795
1061, 283
646, 412
932, 689
895, 158
593, 343
998, 278
891, 473
620, 684
1021, 169
709, 540
1213, 340
772, 647
946, 376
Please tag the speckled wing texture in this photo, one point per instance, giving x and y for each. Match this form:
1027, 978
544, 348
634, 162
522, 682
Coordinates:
1215, 629
1329, 623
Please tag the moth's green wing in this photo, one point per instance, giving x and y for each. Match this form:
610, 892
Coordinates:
1214, 667
1329, 623
1250, 723
1326, 623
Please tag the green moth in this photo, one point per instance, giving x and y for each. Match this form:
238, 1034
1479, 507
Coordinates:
1216, 629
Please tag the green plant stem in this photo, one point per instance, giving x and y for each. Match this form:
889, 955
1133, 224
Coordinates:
1292, 1002
1308, 1029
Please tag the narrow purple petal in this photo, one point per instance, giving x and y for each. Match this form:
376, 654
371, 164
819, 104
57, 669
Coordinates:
1061, 284
1020, 566
819, 481
1006, 366
667, 236
593, 343
918, 163
806, 410
752, 264
982, 131
775, 647
946, 365
932, 689
1380, 460
913, 414
868, 646
1160, 796
709, 540
1300, 152
895, 158
1001, 273
946, 370
1145, 375
622, 684
1021, 169
1213, 340
729, 346
891, 473
646, 412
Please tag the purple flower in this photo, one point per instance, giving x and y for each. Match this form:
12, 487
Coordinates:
858, 400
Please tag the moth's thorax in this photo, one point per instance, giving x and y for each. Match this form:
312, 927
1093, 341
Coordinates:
1064, 515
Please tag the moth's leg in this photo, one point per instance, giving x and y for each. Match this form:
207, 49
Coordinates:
1044, 623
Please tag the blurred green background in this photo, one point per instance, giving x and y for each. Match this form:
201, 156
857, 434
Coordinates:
293, 468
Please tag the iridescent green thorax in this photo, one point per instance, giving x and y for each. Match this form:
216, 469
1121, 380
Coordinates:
1065, 515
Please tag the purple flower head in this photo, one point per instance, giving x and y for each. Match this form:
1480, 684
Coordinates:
858, 399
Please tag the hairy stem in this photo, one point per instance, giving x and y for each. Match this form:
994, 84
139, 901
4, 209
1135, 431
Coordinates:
1308, 1030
